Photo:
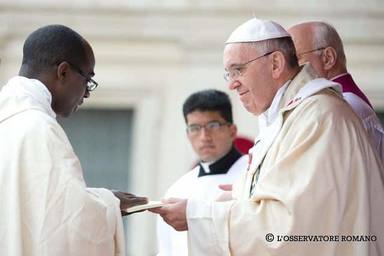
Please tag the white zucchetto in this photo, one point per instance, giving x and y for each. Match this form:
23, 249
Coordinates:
255, 30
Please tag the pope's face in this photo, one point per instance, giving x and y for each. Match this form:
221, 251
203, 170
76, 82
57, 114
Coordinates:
254, 82
210, 142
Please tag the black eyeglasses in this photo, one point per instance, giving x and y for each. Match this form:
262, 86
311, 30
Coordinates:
233, 73
91, 84
195, 129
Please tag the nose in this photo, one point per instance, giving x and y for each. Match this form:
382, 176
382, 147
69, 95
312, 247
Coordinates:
205, 134
87, 94
233, 85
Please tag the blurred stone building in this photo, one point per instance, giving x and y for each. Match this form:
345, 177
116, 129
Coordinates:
150, 55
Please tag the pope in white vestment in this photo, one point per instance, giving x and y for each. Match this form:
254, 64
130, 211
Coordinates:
314, 185
313, 173
46, 207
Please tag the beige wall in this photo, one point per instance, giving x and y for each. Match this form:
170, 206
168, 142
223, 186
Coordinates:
151, 54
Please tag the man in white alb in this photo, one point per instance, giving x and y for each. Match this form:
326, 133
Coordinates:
46, 208
211, 132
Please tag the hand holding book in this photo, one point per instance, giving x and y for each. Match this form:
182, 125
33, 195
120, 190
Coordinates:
128, 200
142, 207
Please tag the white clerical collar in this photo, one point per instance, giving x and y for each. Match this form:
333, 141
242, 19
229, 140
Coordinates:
266, 118
205, 166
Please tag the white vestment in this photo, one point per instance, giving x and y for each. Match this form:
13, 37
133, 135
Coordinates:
174, 243
46, 208
313, 174
370, 121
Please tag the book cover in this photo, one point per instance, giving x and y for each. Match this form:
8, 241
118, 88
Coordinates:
141, 207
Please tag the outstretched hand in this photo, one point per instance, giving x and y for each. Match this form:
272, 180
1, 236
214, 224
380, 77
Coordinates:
128, 200
173, 213
227, 193
226, 187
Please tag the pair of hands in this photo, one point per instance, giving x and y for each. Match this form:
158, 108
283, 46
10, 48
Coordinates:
174, 212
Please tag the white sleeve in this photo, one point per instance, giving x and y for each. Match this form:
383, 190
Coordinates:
207, 234
163, 238
71, 219
370, 121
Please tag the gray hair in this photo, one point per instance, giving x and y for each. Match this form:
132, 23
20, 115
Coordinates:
325, 35
284, 45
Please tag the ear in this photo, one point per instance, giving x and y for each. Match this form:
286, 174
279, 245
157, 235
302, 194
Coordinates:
233, 131
329, 57
62, 70
278, 64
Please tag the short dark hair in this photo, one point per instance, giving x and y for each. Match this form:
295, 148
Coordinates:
50, 45
209, 100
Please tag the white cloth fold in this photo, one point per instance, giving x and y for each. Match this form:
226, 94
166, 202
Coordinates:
46, 207
174, 243
319, 175
370, 121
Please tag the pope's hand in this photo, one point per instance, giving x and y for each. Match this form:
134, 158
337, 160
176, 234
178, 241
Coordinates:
226, 187
174, 213
227, 193
128, 200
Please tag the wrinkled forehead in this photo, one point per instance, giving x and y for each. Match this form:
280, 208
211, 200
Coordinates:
236, 53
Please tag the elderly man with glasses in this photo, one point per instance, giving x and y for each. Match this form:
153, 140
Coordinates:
319, 43
46, 208
314, 180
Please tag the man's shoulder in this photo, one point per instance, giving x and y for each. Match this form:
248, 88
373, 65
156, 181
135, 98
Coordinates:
183, 183
240, 164
190, 175
326, 101
361, 108
34, 125
36, 120
324, 105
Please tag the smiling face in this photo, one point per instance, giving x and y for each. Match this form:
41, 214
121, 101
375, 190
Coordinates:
254, 86
210, 144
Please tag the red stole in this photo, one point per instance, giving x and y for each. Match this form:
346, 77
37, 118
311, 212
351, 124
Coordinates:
349, 85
